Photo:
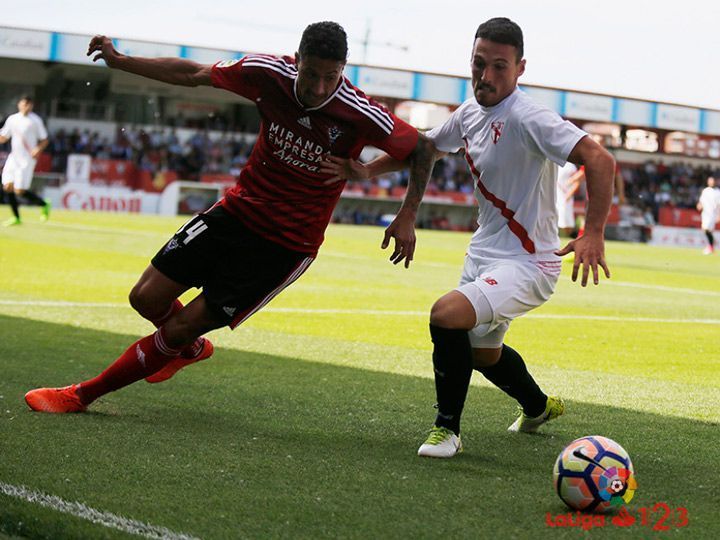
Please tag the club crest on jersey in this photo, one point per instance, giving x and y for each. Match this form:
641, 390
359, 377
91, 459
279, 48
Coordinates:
497, 128
305, 122
172, 244
333, 134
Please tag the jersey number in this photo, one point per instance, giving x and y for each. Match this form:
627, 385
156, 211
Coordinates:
192, 230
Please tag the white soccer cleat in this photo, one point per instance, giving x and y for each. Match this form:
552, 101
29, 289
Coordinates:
441, 443
525, 424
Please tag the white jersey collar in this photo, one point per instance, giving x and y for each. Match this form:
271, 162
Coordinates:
504, 103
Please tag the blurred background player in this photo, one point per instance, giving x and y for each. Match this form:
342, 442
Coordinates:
266, 231
28, 138
568, 181
709, 206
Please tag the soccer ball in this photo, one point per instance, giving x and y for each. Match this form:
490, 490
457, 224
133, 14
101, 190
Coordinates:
594, 474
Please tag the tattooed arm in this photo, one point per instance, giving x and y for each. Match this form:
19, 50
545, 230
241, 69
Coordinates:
402, 229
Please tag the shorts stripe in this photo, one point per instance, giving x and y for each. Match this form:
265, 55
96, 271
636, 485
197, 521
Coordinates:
552, 268
296, 273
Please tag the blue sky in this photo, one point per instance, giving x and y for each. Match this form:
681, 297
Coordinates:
658, 50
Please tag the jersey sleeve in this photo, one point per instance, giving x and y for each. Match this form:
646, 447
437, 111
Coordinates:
5, 130
42, 133
447, 137
243, 76
400, 142
549, 135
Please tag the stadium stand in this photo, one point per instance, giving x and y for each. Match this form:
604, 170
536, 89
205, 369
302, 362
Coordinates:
142, 135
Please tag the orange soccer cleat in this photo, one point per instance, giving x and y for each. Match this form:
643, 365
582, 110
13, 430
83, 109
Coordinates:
55, 400
175, 365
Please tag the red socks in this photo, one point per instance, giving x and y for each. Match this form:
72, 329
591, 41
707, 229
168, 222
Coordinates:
143, 358
140, 360
176, 306
192, 350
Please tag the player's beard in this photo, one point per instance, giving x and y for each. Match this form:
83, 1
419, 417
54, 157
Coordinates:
311, 100
484, 95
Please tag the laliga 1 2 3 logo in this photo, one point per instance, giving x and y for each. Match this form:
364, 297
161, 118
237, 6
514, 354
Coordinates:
617, 485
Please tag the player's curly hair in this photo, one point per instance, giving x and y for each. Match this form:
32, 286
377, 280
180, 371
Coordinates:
326, 40
502, 30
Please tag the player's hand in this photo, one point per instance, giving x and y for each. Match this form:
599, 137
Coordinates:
343, 169
402, 229
589, 253
104, 46
35, 152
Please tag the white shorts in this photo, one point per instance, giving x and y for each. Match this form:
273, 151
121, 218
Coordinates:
708, 220
512, 287
18, 174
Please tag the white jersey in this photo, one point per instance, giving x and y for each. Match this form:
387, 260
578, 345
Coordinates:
710, 201
512, 150
565, 173
25, 131
564, 202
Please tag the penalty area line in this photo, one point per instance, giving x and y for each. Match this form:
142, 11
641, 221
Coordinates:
106, 519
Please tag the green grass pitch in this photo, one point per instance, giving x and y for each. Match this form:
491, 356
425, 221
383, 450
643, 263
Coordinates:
306, 422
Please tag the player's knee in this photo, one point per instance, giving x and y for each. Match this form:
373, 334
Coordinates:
445, 314
483, 358
140, 301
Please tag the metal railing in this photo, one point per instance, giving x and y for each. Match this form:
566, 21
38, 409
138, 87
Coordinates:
82, 109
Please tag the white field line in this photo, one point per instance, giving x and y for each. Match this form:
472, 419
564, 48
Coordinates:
378, 312
98, 517
609, 282
382, 255
612, 318
339, 255
61, 303
106, 230
681, 290
604, 282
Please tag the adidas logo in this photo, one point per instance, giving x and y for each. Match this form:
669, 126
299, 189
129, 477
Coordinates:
140, 355
305, 122
230, 310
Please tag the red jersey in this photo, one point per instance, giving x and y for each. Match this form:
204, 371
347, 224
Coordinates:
280, 193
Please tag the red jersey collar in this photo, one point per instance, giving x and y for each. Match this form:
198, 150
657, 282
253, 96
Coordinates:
328, 100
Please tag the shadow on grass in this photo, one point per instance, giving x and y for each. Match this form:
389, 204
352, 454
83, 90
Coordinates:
253, 445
